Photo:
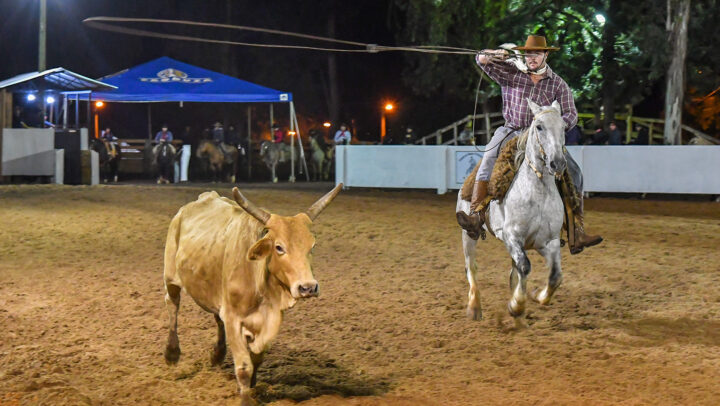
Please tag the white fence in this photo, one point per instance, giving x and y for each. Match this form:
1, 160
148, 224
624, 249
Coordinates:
631, 168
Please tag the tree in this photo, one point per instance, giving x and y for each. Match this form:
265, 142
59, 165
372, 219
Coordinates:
677, 25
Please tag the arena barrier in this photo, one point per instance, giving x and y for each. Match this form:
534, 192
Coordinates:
28, 152
626, 169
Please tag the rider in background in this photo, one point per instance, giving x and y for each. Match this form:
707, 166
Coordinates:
107, 135
164, 135
343, 135
278, 136
520, 80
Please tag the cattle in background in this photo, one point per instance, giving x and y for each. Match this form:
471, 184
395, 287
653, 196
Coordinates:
244, 265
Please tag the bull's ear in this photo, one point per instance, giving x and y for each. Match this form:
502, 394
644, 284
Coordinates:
260, 249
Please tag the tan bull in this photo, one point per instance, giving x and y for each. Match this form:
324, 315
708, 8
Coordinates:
244, 265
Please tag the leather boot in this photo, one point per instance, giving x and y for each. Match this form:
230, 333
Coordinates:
473, 223
582, 240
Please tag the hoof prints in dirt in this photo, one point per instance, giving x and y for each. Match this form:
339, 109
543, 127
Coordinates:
301, 375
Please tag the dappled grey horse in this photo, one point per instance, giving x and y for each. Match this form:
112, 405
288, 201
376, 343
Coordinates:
531, 214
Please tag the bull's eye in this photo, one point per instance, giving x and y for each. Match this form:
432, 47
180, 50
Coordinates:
539, 127
280, 250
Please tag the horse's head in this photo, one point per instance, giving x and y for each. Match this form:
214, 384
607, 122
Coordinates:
547, 132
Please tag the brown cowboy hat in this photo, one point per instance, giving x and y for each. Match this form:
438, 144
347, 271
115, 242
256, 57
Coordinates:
536, 43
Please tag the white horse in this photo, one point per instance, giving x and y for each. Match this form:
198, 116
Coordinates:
321, 159
530, 216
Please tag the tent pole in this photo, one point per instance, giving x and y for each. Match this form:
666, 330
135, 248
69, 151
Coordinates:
89, 117
149, 122
302, 150
249, 142
77, 111
65, 107
292, 145
272, 118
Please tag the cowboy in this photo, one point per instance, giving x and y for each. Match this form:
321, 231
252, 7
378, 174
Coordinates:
342, 136
519, 81
164, 135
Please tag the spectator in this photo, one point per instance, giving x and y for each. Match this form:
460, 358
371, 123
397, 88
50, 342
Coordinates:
466, 135
164, 134
343, 135
614, 135
574, 136
600, 137
642, 136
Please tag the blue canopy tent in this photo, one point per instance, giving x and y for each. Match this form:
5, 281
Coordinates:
168, 80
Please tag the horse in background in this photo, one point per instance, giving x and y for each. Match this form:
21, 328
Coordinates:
530, 216
165, 157
219, 161
321, 157
109, 157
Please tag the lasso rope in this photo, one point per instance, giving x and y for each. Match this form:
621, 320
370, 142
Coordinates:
111, 24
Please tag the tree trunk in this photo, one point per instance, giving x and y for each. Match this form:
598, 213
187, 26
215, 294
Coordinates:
334, 102
608, 65
677, 25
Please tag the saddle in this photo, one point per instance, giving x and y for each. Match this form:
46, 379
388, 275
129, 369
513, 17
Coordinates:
503, 175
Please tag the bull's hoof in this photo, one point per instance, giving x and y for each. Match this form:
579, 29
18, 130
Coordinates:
247, 400
515, 311
217, 355
474, 314
172, 355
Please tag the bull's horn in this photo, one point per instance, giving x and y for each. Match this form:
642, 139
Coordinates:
316, 208
249, 207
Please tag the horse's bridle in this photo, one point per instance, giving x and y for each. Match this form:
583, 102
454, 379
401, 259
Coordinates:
543, 155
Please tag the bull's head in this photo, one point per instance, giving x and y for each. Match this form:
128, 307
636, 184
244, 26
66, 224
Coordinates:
287, 244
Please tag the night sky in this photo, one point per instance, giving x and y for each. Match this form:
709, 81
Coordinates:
365, 79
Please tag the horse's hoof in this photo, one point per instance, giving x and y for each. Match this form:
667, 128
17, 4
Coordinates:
474, 314
515, 313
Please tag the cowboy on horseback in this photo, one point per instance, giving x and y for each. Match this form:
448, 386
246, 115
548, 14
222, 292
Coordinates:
519, 81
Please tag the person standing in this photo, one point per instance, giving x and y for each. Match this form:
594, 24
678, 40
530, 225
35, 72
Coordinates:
342, 136
614, 135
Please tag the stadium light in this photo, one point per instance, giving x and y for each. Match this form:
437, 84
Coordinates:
50, 100
327, 124
31, 97
388, 108
99, 104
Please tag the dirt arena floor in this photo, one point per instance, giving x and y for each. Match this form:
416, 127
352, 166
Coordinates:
83, 320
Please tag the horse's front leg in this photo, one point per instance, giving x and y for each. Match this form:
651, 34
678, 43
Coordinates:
551, 253
474, 308
521, 265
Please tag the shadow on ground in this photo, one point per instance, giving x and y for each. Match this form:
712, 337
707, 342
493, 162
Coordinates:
304, 374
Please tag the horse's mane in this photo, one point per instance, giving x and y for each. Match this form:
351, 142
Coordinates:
521, 146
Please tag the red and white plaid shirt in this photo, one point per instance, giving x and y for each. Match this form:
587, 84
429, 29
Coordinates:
517, 86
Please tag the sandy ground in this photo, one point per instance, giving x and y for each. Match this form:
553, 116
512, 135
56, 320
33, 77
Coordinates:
83, 321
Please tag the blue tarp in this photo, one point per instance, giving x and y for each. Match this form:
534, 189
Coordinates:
167, 80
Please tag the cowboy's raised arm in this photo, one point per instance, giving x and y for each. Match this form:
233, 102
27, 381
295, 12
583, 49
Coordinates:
492, 62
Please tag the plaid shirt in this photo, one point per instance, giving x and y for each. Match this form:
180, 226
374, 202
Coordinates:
517, 86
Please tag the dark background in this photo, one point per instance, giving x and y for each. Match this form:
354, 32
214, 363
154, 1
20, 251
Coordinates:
364, 80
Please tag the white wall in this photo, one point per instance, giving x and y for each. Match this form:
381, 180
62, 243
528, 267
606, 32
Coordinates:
631, 168
28, 151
